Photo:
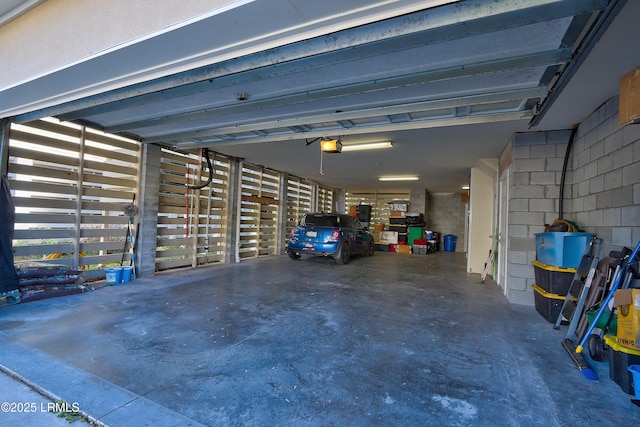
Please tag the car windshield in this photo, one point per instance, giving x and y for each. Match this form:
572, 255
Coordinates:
320, 220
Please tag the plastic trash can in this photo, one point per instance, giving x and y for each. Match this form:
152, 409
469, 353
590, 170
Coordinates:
450, 242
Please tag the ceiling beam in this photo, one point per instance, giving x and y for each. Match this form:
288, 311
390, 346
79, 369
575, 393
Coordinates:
437, 104
537, 59
416, 124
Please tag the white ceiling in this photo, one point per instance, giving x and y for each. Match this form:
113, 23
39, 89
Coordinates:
448, 85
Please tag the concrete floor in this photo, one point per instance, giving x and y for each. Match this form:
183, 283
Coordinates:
401, 340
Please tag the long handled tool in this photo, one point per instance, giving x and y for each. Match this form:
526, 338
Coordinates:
573, 310
622, 273
491, 258
126, 238
131, 210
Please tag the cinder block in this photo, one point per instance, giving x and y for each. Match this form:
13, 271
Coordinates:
623, 156
543, 151
591, 169
596, 184
527, 191
555, 164
542, 205
631, 173
613, 179
527, 218
520, 178
519, 205
531, 165
543, 178
520, 297
630, 215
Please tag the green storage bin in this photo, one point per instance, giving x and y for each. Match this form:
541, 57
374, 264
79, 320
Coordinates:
415, 233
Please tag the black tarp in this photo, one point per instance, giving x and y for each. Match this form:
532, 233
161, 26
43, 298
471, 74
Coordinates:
8, 277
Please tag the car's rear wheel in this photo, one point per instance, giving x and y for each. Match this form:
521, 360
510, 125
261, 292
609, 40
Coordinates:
344, 254
293, 255
371, 249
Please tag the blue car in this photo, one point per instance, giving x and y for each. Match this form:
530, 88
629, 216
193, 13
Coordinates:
330, 234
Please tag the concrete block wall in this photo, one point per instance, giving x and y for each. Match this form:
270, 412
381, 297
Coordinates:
446, 215
535, 176
606, 178
602, 189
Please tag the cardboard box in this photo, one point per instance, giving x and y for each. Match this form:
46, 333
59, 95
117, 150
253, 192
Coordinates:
627, 302
389, 237
403, 249
629, 104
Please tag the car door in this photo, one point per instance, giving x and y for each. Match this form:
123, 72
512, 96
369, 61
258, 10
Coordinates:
359, 242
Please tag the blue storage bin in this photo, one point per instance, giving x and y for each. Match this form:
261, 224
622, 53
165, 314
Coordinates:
561, 249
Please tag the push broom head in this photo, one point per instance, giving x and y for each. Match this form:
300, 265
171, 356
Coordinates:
130, 210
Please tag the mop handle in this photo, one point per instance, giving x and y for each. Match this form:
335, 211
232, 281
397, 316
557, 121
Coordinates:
616, 283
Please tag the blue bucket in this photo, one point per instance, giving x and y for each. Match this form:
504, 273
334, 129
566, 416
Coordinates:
126, 274
114, 275
635, 373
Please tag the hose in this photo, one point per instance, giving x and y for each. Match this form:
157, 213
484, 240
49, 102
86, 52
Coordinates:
210, 166
564, 169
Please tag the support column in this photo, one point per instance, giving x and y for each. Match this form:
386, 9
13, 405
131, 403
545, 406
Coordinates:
148, 202
232, 254
340, 200
282, 215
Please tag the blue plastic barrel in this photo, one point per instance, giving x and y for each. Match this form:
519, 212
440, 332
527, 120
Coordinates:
449, 242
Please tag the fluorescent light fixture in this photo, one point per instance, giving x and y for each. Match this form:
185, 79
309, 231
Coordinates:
399, 178
465, 187
367, 146
331, 146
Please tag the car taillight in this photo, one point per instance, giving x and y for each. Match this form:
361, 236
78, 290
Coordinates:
335, 235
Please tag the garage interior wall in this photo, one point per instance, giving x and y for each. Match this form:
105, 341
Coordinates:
447, 215
481, 213
601, 195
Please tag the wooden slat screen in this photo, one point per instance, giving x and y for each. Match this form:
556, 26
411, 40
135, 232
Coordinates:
259, 211
69, 184
325, 199
298, 201
191, 222
378, 199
